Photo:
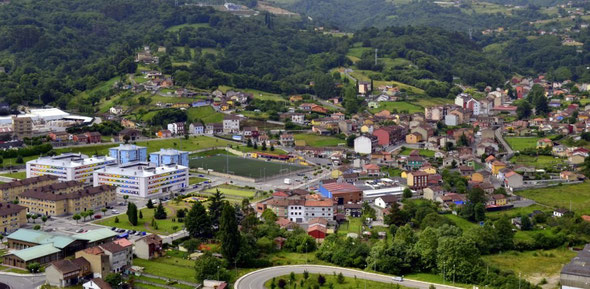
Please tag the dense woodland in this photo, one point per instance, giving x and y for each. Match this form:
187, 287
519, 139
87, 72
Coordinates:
53, 51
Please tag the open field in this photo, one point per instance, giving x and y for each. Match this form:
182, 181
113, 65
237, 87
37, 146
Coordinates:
539, 162
17, 175
331, 279
206, 114
522, 143
398, 106
423, 152
171, 267
257, 94
165, 227
515, 212
244, 167
352, 226
578, 196
315, 140
232, 191
534, 265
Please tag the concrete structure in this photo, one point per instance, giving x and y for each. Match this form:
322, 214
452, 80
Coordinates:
68, 167
58, 202
12, 217
576, 274
148, 247
10, 191
169, 157
364, 144
143, 179
127, 153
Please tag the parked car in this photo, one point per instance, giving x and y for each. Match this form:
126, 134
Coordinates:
398, 278
114, 228
201, 176
114, 211
80, 230
97, 216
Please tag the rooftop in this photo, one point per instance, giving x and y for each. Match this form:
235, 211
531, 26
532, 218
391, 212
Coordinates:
127, 147
71, 160
36, 252
95, 235
140, 169
7, 209
168, 152
40, 237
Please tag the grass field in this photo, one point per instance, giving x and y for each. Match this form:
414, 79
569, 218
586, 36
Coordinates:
206, 114
460, 222
331, 279
17, 175
244, 167
522, 143
515, 212
533, 265
170, 267
423, 152
315, 140
165, 227
255, 93
352, 226
397, 106
232, 191
195, 180
539, 162
578, 196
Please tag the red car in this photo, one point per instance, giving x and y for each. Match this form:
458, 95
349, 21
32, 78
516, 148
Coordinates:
97, 216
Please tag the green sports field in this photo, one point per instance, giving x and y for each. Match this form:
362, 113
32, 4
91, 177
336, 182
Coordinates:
243, 167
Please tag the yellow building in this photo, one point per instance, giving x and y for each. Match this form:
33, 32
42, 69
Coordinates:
477, 177
12, 217
60, 202
10, 191
497, 166
428, 169
413, 138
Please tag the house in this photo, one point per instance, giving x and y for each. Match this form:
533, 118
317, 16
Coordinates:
451, 119
131, 133
513, 180
116, 110
544, 143
231, 124
100, 264
353, 210
560, 212
287, 139
386, 201
317, 230
177, 128
577, 158
120, 254
196, 129
413, 138
499, 200
497, 166
93, 137
213, 284
164, 133
371, 169
576, 274
149, 247
214, 128
432, 192
96, 283
64, 273
365, 144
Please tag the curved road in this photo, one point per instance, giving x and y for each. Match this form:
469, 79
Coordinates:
256, 279
22, 281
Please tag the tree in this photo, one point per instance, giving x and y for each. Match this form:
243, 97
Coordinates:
116, 219
523, 110
125, 198
263, 145
305, 274
160, 212
272, 147
191, 245
321, 280
340, 278
126, 138
525, 223
44, 219
407, 194
282, 283
34, 217
34, 267
181, 213
76, 217
28, 216
140, 214
215, 207
269, 216
458, 257
479, 212
249, 143
149, 204
208, 267
114, 279
324, 86
350, 140
197, 221
228, 233
132, 213
504, 231
104, 211
19, 159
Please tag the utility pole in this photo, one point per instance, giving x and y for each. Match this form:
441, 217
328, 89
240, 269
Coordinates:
470, 33
376, 50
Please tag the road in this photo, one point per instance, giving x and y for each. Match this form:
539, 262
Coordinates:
17, 281
507, 148
256, 279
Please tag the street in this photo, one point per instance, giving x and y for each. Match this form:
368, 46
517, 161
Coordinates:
17, 281
256, 279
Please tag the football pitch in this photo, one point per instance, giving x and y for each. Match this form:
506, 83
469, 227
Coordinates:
243, 167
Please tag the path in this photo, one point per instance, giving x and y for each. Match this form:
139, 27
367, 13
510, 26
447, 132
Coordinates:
507, 148
256, 279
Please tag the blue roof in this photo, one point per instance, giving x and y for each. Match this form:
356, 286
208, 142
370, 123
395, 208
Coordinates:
40, 237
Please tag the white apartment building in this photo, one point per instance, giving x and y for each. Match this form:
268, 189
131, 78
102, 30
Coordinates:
69, 167
142, 179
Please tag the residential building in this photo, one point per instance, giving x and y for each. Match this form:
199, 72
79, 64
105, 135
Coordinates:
100, 264
389, 135
149, 247
364, 144
417, 180
169, 157
231, 124
287, 139
49, 202
497, 166
413, 138
513, 180
177, 128
214, 128
196, 129
129, 134
65, 273
164, 133
322, 208
386, 201
120, 257
317, 228
93, 137
142, 179
10, 191
22, 127
69, 166
12, 217
96, 283
127, 153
